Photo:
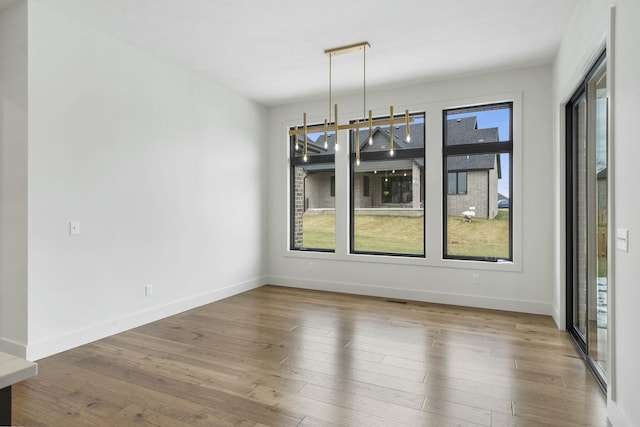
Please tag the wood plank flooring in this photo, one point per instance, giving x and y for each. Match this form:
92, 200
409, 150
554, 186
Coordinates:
288, 357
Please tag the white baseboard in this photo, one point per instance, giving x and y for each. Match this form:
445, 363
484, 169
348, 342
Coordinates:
560, 321
41, 349
12, 347
416, 295
615, 416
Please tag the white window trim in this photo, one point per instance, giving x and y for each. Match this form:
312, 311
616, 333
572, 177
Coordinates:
433, 192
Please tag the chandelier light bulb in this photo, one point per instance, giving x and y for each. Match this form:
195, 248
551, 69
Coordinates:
391, 152
304, 158
370, 141
358, 162
408, 139
326, 144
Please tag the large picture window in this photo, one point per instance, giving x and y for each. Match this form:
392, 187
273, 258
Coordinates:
312, 197
477, 190
387, 189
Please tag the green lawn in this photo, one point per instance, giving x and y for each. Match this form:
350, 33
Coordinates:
480, 237
404, 234
397, 234
319, 231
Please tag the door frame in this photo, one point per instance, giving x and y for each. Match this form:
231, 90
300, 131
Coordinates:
570, 212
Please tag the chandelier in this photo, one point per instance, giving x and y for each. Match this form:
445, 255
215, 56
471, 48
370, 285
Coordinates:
333, 124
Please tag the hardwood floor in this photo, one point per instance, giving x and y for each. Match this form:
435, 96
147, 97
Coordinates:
289, 357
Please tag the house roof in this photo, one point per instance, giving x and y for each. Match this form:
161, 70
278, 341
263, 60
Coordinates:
459, 131
380, 138
465, 131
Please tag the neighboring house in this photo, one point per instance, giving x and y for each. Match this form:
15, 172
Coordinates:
388, 185
392, 183
472, 180
383, 185
317, 181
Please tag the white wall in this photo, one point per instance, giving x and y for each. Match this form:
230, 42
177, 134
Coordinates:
625, 396
13, 179
163, 170
523, 286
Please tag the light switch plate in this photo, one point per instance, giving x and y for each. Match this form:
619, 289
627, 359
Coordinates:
74, 228
622, 239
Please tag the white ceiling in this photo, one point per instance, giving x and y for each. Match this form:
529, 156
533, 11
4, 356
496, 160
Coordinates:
272, 51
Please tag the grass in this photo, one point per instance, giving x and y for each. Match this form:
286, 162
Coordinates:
396, 234
319, 231
480, 237
405, 234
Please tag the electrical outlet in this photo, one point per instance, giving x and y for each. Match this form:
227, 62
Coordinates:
148, 290
475, 279
74, 228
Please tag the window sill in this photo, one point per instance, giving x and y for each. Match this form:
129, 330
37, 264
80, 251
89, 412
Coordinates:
507, 266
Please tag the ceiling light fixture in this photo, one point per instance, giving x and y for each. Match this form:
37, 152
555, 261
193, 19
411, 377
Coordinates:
357, 143
304, 135
407, 129
295, 131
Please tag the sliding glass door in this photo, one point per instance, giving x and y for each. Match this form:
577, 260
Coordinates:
587, 218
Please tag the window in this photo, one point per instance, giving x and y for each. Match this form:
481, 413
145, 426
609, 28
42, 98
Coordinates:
398, 189
457, 183
477, 171
387, 191
312, 191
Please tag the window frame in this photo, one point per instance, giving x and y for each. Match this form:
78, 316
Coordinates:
295, 161
497, 148
379, 156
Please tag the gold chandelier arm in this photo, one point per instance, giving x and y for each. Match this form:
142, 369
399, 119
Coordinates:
304, 127
364, 80
407, 129
358, 142
337, 126
346, 49
370, 127
348, 126
330, 89
391, 131
326, 137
